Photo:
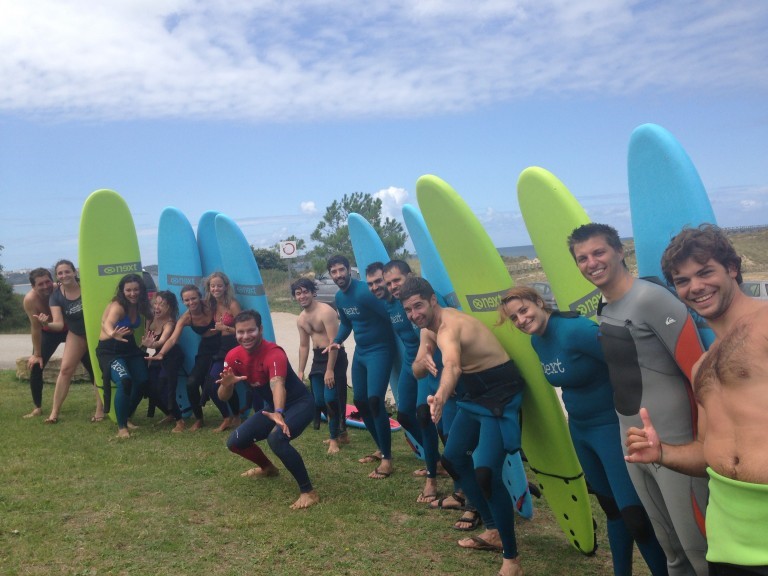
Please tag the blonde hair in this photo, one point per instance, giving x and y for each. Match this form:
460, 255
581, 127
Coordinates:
229, 293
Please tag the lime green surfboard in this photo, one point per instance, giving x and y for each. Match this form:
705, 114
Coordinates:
479, 277
109, 249
551, 213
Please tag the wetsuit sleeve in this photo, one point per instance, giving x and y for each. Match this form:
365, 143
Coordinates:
675, 328
276, 361
345, 326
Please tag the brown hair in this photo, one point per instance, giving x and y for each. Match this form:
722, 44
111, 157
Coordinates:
520, 293
701, 243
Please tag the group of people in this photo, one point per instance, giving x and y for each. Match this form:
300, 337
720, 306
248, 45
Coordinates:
650, 412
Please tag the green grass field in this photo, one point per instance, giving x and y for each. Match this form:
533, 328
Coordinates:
75, 500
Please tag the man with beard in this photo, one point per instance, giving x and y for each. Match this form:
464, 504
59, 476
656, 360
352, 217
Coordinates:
361, 312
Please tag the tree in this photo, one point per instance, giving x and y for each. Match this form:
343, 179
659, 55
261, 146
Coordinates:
268, 259
332, 233
12, 314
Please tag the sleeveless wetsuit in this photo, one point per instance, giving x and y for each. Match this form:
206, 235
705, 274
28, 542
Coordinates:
361, 311
259, 366
647, 336
487, 428
328, 398
572, 359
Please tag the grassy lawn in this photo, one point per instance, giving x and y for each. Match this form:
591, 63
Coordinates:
75, 500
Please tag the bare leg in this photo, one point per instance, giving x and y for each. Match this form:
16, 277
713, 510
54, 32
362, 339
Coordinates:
99, 415
306, 499
74, 349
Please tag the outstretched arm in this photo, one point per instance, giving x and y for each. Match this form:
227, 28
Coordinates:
449, 342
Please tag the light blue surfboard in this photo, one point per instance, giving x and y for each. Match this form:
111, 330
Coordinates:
665, 195
243, 271
178, 265
434, 271
369, 248
208, 244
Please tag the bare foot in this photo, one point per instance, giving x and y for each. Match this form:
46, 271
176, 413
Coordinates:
132, 426
235, 421
382, 471
225, 425
167, 420
306, 499
343, 438
123, 433
511, 567
258, 472
51, 419
34, 413
333, 447
180, 426
196, 426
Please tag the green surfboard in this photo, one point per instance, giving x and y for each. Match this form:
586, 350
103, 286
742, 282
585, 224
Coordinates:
551, 213
479, 277
109, 249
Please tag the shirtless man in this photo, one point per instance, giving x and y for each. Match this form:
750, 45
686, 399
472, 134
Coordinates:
44, 341
650, 344
319, 323
486, 426
730, 385
287, 405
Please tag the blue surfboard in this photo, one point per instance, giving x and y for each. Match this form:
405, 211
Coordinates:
369, 248
208, 244
665, 195
243, 271
434, 271
178, 265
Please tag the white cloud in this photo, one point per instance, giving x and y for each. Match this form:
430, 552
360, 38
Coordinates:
392, 201
330, 58
308, 207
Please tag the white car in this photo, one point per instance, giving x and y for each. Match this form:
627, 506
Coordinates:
755, 288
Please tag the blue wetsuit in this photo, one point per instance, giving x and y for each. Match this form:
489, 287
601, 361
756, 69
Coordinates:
572, 359
122, 363
650, 344
487, 428
361, 311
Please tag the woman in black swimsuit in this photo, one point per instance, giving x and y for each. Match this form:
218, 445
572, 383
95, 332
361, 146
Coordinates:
199, 318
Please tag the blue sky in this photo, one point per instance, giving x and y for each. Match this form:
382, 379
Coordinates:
268, 111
